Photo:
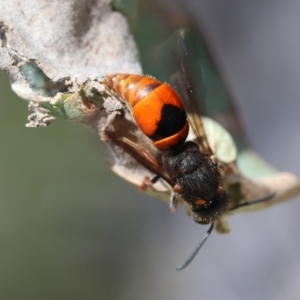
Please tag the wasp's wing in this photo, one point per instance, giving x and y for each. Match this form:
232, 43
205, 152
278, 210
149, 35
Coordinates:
181, 85
141, 154
186, 58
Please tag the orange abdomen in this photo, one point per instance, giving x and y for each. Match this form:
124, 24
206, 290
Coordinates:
157, 109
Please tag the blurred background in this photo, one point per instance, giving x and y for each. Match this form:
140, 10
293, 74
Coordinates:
71, 229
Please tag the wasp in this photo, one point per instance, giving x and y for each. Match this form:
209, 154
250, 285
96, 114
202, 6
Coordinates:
190, 168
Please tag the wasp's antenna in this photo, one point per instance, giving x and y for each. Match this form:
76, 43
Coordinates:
194, 253
263, 199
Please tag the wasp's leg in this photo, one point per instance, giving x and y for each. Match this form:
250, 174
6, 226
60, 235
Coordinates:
173, 202
148, 182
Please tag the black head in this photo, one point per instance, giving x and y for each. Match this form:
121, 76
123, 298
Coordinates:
209, 214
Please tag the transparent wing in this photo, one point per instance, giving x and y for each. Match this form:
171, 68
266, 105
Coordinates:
183, 88
186, 61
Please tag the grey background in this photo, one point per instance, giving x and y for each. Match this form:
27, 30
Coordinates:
70, 229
